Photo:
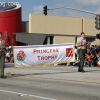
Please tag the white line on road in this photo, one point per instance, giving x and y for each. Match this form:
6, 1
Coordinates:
22, 94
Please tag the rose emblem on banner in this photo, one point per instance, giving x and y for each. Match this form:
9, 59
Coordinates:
21, 55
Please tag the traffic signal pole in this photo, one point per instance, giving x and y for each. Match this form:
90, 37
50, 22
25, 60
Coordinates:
45, 10
75, 10
9, 40
97, 22
98, 36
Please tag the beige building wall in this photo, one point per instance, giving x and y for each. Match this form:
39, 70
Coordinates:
54, 24
63, 39
64, 25
89, 27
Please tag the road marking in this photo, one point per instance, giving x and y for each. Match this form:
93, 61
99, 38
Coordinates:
60, 79
22, 94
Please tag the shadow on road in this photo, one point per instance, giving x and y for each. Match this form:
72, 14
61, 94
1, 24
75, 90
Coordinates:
30, 74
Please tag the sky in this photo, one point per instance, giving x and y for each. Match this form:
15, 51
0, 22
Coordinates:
36, 7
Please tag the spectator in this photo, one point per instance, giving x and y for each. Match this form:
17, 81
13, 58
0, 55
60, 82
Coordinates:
12, 58
94, 59
6, 59
76, 52
8, 55
89, 59
98, 56
93, 50
98, 49
88, 49
98, 59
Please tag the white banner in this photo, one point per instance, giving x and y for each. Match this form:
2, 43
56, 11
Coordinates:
43, 54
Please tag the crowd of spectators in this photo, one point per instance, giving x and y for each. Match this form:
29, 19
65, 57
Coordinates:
9, 58
92, 56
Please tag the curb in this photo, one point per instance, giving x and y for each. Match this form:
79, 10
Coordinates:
8, 65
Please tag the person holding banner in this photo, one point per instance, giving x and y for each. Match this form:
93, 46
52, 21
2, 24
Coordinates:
2, 55
81, 45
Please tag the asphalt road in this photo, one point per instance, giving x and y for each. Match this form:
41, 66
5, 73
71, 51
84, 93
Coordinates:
50, 83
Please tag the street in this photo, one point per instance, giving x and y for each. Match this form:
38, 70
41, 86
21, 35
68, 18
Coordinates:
50, 83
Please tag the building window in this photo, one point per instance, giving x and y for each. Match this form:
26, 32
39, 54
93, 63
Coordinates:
48, 40
90, 39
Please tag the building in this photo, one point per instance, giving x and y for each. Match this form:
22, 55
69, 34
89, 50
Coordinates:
41, 29
10, 22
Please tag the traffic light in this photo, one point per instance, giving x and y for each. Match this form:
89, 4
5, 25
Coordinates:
9, 39
98, 36
45, 10
97, 22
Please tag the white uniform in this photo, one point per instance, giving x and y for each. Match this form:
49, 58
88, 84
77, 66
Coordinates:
81, 41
